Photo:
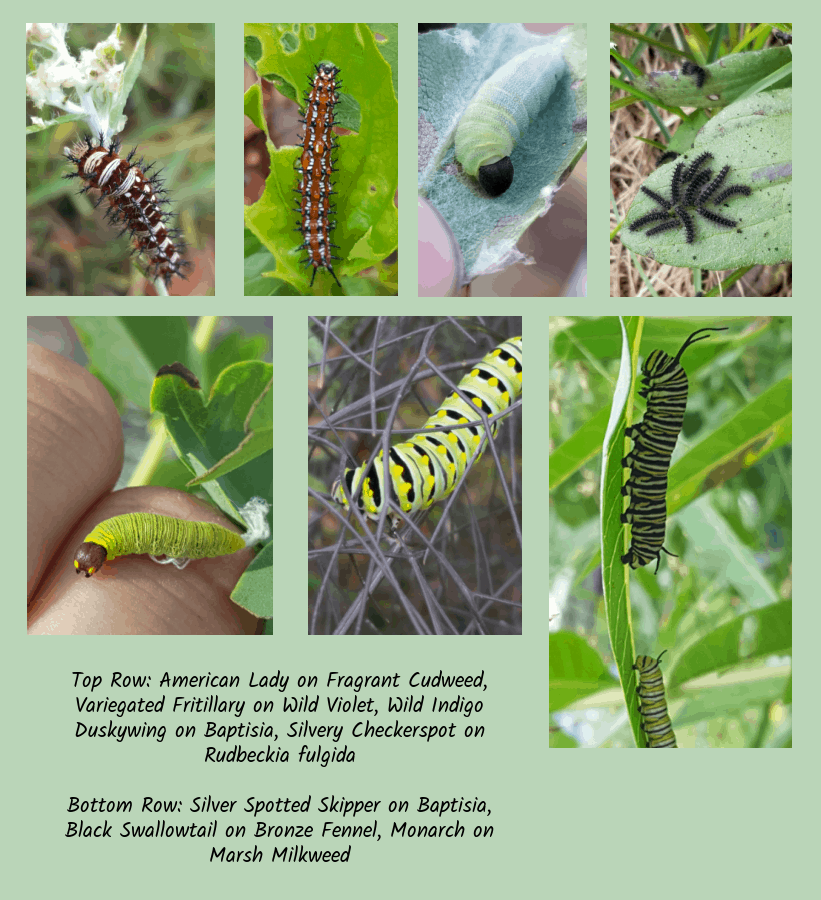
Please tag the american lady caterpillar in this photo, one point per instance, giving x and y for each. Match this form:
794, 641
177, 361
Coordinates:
136, 202
316, 166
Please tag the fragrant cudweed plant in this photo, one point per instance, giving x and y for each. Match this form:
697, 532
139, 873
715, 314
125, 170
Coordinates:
93, 89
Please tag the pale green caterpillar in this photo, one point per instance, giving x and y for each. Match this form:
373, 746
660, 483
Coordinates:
500, 113
177, 539
427, 467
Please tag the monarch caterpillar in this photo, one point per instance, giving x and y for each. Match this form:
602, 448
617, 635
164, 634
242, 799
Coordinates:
654, 439
655, 720
426, 468
176, 539
500, 113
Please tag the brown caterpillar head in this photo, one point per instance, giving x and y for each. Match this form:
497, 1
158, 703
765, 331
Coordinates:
88, 558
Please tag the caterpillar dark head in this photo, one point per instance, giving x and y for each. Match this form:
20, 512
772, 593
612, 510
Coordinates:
88, 558
501, 112
496, 177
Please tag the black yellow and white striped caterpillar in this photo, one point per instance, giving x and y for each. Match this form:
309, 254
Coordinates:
177, 539
655, 720
425, 468
654, 439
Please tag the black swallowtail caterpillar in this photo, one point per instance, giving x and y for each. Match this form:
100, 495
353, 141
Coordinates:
137, 201
425, 468
177, 539
655, 720
500, 113
654, 439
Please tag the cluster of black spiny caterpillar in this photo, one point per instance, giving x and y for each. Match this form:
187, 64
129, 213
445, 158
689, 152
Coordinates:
690, 188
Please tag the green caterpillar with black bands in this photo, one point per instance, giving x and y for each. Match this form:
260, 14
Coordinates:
427, 467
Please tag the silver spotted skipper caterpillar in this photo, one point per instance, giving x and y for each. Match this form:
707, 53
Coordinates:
157, 535
177, 539
136, 202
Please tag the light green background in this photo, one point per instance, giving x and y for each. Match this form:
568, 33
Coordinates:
608, 823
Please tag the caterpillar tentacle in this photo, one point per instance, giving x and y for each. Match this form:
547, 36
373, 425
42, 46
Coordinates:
654, 440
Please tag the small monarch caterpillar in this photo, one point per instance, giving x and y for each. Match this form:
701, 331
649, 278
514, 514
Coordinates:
427, 467
655, 720
136, 201
177, 539
501, 112
316, 166
654, 439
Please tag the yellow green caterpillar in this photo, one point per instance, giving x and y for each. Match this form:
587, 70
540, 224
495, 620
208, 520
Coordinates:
156, 535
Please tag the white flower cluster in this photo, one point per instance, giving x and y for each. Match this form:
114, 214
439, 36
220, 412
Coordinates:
91, 86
